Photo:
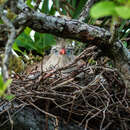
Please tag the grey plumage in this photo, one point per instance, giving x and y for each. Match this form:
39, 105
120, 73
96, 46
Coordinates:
56, 59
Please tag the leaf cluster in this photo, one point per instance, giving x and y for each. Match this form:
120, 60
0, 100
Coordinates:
3, 88
117, 8
40, 43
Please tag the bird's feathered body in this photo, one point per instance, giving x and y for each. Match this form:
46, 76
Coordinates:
60, 56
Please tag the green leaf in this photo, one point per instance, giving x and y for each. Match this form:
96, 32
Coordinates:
52, 10
123, 12
9, 97
57, 4
25, 40
1, 22
73, 3
43, 41
16, 48
92, 61
4, 86
29, 3
101, 9
7, 83
121, 1
1, 82
27, 30
45, 6
125, 43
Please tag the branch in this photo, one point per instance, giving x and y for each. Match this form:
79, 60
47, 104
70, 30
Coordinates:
9, 43
62, 27
85, 12
73, 29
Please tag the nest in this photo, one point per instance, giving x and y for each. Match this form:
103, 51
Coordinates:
92, 95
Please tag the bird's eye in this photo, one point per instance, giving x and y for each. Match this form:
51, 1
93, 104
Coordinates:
55, 51
69, 51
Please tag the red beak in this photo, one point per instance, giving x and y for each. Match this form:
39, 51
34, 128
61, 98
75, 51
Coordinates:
62, 51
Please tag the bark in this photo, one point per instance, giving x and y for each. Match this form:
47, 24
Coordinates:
85, 12
74, 29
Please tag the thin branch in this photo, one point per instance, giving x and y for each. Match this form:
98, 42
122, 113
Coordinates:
11, 121
104, 114
85, 12
113, 30
8, 48
39, 109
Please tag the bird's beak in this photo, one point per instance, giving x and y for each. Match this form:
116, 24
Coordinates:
62, 51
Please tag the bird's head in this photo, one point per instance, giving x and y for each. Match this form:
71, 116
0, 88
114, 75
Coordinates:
60, 51
60, 56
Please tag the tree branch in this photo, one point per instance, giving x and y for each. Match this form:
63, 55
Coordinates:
65, 28
85, 12
8, 47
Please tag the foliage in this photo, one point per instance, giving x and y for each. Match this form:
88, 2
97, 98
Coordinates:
3, 87
9, 96
105, 8
16, 48
44, 41
125, 43
118, 8
40, 43
91, 61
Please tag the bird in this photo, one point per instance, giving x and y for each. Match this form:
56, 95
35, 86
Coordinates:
61, 55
